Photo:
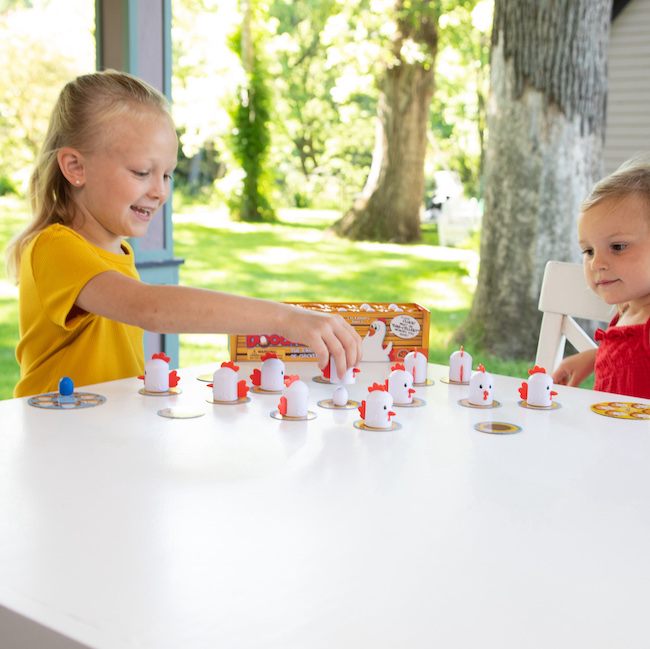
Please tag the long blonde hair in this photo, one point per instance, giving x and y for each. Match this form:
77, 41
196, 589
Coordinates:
80, 114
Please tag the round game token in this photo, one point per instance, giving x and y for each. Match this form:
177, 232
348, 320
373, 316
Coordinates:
229, 403
622, 410
467, 404
57, 401
321, 379
497, 428
205, 377
416, 403
361, 425
328, 403
426, 384
171, 391
448, 381
180, 413
554, 405
276, 415
258, 390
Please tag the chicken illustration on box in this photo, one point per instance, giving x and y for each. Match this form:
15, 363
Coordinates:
270, 378
157, 377
538, 390
376, 410
373, 342
226, 386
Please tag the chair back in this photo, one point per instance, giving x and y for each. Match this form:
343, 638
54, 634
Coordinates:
564, 296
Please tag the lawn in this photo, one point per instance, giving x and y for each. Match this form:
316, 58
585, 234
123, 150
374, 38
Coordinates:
294, 260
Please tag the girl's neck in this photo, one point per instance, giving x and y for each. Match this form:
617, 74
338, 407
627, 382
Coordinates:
636, 312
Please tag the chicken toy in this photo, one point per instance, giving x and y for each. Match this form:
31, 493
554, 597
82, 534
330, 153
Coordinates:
538, 390
373, 342
271, 377
480, 388
293, 402
460, 366
376, 409
225, 386
330, 374
157, 377
415, 362
400, 385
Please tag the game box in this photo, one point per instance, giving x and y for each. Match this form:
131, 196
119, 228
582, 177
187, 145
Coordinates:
389, 332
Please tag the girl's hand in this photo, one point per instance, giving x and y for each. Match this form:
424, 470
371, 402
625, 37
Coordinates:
573, 370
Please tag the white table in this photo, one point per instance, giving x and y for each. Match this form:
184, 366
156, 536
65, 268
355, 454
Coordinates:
120, 529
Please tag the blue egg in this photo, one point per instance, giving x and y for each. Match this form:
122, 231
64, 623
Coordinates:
66, 386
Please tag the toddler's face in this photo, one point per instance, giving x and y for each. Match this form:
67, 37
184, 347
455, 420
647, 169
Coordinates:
614, 237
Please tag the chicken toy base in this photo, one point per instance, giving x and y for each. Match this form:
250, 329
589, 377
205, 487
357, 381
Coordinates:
554, 405
467, 404
416, 403
361, 425
169, 392
329, 403
448, 381
276, 415
229, 403
258, 390
425, 384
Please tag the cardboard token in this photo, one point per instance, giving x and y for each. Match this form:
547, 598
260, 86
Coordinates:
426, 384
258, 390
554, 405
205, 377
361, 425
276, 415
180, 413
170, 392
328, 403
497, 427
416, 403
56, 401
229, 403
623, 410
448, 381
467, 404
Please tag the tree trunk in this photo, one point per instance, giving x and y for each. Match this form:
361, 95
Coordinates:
546, 118
389, 206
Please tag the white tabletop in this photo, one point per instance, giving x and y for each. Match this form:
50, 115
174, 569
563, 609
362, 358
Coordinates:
121, 529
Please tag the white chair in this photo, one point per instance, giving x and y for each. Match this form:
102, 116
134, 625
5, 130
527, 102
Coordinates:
564, 296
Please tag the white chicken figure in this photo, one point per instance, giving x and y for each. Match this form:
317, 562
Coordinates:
271, 377
538, 391
481, 385
460, 366
376, 409
415, 362
157, 377
225, 385
400, 385
332, 376
373, 342
294, 399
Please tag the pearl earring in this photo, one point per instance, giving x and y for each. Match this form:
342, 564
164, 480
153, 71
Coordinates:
77, 182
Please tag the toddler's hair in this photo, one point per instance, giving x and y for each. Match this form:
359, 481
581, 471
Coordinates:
632, 177
82, 111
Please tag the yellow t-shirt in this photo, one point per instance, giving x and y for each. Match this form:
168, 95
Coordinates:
57, 341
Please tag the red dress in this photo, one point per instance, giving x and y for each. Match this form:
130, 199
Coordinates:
623, 359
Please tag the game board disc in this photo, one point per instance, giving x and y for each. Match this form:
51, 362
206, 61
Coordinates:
329, 403
426, 384
497, 427
554, 405
416, 403
447, 380
229, 403
361, 425
623, 410
276, 415
54, 400
208, 378
170, 392
321, 379
258, 390
467, 404
180, 413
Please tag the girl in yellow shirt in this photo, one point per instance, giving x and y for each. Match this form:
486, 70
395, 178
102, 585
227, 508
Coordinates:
102, 173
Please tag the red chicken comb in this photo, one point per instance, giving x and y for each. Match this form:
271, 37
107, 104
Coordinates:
161, 355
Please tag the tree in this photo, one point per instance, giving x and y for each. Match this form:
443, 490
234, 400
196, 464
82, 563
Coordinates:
389, 207
546, 119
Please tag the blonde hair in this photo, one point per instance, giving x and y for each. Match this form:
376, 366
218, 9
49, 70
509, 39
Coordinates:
80, 115
631, 178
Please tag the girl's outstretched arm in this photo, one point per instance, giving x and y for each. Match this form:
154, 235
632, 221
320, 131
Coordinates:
182, 309
573, 370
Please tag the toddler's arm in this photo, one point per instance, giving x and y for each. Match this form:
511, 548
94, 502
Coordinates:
182, 309
573, 370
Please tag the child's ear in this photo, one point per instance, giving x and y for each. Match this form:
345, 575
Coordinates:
71, 165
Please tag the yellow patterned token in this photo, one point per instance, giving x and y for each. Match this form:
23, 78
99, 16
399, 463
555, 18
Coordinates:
622, 410
497, 427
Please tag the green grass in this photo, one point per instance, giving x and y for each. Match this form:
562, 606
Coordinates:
294, 260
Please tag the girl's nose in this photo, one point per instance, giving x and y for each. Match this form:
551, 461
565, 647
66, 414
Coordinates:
598, 261
159, 188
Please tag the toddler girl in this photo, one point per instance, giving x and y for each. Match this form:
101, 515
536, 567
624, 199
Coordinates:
102, 173
614, 234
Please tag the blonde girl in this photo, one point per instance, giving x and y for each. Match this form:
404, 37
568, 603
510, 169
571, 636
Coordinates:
103, 172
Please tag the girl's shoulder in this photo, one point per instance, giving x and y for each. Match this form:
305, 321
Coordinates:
58, 234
